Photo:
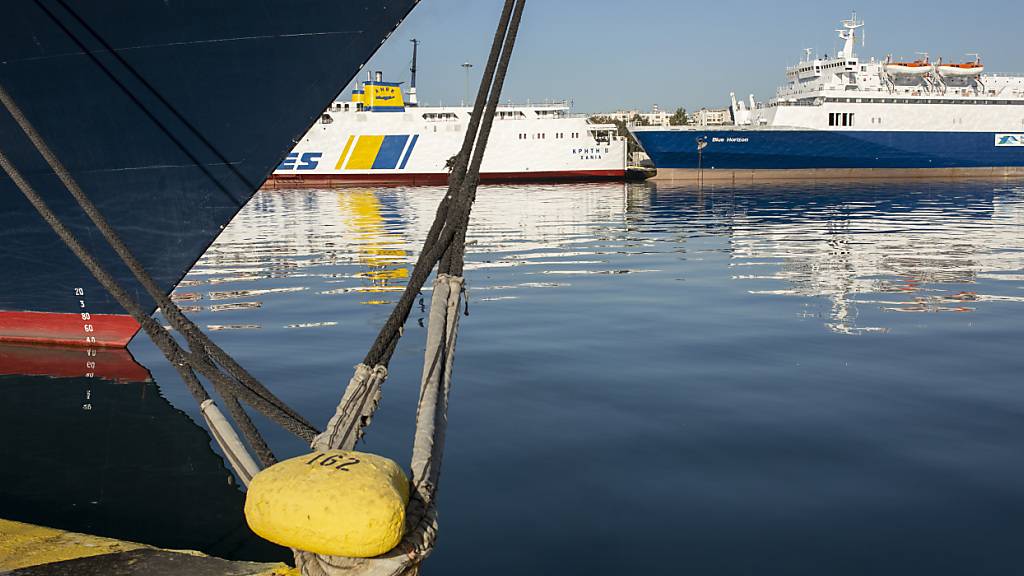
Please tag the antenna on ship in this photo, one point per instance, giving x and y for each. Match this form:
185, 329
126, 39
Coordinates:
412, 85
849, 34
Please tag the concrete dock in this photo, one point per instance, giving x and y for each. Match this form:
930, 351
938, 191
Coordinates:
28, 550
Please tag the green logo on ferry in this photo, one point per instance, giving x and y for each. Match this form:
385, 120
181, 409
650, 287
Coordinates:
1009, 139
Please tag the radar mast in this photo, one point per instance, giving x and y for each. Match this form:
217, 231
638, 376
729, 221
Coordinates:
849, 34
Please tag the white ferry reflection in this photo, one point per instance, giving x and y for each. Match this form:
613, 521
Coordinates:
907, 248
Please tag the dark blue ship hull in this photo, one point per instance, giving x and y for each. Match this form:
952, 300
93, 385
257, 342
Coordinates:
761, 149
170, 114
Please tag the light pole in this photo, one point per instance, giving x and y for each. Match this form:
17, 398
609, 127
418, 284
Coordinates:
467, 66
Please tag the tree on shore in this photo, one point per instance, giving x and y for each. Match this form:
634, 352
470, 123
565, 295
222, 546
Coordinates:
679, 118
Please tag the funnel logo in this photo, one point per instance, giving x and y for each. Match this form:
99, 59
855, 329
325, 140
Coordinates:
1009, 140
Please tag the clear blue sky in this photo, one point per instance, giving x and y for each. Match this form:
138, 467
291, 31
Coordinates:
609, 54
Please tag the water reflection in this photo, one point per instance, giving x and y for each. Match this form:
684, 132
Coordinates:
912, 247
113, 364
91, 445
908, 247
382, 251
715, 306
705, 333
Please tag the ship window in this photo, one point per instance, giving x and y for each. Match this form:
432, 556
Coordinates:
346, 107
440, 117
326, 119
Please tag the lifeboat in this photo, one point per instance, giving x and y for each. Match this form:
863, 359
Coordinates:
967, 69
915, 68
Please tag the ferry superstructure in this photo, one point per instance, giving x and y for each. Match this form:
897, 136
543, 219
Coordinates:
170, 115
846, 116
377, 138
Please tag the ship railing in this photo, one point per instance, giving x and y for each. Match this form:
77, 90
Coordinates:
556, 104
786, 102
543, 104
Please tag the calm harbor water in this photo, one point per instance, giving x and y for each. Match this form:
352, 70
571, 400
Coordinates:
796, 379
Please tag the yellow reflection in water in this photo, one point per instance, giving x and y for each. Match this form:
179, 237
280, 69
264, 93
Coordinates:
362, 210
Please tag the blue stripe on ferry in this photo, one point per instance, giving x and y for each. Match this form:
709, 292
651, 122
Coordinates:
390, 150
755, 149
408, 152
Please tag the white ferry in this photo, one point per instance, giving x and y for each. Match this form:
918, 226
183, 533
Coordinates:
844, 115
377, 138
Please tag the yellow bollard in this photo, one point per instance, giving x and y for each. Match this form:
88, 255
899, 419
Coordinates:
333, 502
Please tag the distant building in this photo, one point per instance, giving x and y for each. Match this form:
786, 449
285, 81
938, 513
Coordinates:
656, 117
711, 117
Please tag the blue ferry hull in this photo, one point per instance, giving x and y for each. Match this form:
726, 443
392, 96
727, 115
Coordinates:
819, 149
170, 114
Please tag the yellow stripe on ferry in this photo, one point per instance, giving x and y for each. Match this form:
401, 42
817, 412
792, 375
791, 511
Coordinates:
365, 153
344, 153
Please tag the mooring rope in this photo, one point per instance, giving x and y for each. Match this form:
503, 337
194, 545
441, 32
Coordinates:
186, 362
174, 353
383, 346
444, 247
362, 395
364, 390
453, 260
198, 341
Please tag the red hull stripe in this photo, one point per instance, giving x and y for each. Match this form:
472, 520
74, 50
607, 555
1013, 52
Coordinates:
100, 330
285, 181
71, 362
